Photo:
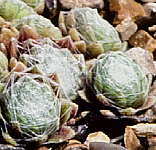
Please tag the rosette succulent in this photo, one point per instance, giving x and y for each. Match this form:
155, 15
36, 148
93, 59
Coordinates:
120, 79
43, 26
31, 106
14, 9
99, 35
60, 63
32, 111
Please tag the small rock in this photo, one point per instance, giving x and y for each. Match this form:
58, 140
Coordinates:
148, 1
73, 145
63, 134
150, 8
144, 58
107, 113
154, 35
105, 146
152, 28
144, 129
152, 142
130, 139
97, 137
126, 28
76, 147
144, 40
84, 114
125, 9
74, 142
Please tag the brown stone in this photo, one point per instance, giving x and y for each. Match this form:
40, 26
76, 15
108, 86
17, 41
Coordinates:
152, 28
130, 139
126, 8
97, 137
126, 28
144, 40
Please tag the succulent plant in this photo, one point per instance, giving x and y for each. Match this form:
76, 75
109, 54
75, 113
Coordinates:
42, 25
14, 9
120, 79
98, 33
31, 106
33, 112
59, 63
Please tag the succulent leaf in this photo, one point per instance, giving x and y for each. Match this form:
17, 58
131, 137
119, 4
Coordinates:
14, 9
32, 104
